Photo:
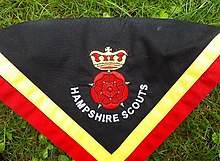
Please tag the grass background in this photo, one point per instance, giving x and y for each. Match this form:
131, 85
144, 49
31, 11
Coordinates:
198, 138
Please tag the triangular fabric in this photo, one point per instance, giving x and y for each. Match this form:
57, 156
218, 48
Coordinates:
107, 89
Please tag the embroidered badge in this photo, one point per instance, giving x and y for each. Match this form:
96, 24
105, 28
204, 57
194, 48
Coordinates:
109, 88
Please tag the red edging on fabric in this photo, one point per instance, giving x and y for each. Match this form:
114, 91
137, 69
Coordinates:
172, 120
178, 113
17, 102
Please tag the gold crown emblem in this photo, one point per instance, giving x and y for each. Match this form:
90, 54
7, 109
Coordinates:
108, 60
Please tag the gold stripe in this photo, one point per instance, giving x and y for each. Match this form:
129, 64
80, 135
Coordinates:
183, 84
10, 73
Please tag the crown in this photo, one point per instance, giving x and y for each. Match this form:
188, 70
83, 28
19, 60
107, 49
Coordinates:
108, 60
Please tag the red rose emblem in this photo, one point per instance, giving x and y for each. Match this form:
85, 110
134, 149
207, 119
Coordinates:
109, 89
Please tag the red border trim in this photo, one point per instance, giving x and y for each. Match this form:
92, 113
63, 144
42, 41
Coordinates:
174, 118
12, 98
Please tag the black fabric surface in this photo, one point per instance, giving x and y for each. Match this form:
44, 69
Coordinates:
53, 54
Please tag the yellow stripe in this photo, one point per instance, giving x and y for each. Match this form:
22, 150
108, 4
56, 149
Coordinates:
183, 84
10, 73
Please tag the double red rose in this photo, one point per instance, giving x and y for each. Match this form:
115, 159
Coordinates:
109, 89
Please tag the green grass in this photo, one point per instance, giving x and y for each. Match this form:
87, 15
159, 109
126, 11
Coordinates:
198, 138
22, 142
